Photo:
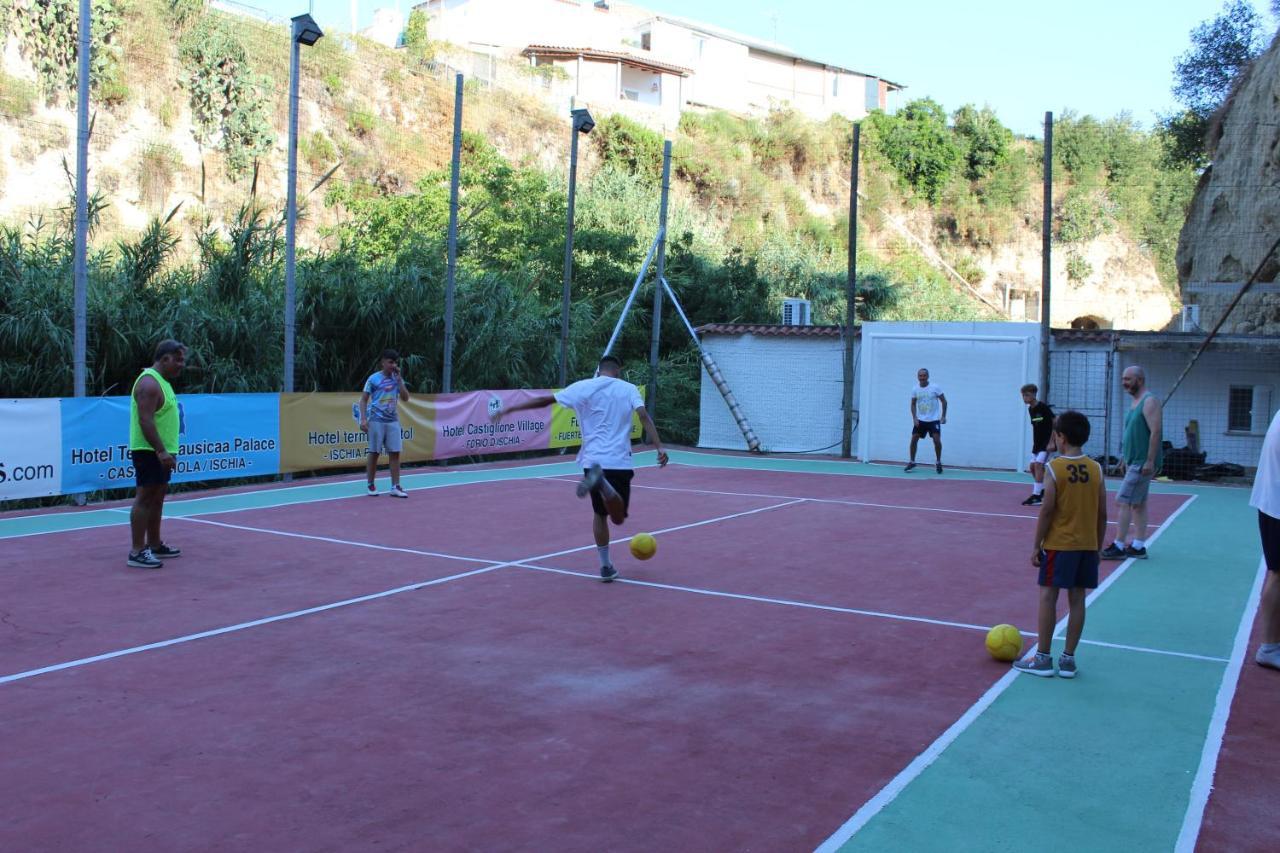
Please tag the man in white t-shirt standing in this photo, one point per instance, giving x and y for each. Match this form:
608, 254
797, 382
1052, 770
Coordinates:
1266, 500
928, 414
604, 405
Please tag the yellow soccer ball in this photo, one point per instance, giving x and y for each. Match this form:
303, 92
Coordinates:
1004, 642
643, 546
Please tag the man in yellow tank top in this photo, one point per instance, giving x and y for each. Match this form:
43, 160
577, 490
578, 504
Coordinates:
1069, 532
154, 427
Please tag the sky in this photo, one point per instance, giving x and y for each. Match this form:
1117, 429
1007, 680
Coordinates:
1020, 57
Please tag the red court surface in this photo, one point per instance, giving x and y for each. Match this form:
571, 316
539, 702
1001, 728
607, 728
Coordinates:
515, 708
1242, 813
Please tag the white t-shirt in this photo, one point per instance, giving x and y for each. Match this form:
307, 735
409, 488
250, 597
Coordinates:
1266, 483
928, 407
604, 406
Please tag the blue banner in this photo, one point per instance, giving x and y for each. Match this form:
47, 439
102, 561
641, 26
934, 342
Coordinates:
222, 435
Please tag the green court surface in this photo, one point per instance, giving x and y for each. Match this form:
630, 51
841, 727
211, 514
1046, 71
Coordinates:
1119, 759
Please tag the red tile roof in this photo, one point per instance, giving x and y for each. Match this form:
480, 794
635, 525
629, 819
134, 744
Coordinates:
773, 330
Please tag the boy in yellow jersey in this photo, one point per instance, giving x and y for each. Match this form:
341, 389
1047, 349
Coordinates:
1073, 520
154, 427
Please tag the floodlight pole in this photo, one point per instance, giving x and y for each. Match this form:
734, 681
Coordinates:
80, 296
451, 274
850, 297
651, 400
303, 29
1046, 256
582, 123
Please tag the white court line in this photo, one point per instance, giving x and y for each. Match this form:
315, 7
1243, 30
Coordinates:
19, 676
908, 774
171, 501
31, 673
1203, 782
853, 611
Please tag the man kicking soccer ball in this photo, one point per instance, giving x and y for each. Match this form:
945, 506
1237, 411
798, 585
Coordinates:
604, 405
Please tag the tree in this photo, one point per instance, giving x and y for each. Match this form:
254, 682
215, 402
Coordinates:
415, 35
1221, 48
918, 144
985, 139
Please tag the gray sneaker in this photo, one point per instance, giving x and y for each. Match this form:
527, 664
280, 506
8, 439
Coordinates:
1041, 665
590, 480
144, 559
1267, 659
1066, 666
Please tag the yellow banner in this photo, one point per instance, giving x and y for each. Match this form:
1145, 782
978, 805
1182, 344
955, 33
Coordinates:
565, 431
323, 431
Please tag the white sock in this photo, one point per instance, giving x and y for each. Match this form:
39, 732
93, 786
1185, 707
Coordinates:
1138, 543
1038, 488
603, 551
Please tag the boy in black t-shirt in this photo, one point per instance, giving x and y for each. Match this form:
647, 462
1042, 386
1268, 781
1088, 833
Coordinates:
1041, 440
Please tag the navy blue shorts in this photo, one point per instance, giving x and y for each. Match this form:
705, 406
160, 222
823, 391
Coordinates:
1068, 569
927, 428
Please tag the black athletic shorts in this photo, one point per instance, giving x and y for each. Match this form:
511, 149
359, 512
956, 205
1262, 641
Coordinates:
1270, 529
621, 482
147, 468
926, 428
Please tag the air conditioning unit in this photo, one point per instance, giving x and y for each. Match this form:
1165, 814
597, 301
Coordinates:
1191, 318
797, 312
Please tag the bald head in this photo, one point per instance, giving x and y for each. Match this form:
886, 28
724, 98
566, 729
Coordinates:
1134, 380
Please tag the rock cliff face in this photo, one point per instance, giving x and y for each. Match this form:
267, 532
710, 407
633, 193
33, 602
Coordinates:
1235, 215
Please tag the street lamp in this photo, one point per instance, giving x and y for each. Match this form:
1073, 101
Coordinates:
582, 123
305, 31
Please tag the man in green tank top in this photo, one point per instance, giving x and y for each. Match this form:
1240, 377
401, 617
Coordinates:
154, 426
1143, 452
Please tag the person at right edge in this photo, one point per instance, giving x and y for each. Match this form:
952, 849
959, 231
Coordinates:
1143, 453
1266, 500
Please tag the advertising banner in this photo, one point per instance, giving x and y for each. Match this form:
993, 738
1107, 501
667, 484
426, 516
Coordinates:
322, 430
30, 448
465, 426
221, 436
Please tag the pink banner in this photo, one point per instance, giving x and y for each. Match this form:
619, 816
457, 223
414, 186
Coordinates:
464, 426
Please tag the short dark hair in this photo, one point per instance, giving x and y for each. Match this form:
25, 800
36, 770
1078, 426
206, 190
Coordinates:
1073, 426
168, 345
1030, 388
391, 354
611, 360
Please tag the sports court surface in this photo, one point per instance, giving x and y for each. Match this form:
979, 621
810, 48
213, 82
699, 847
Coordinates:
801, 666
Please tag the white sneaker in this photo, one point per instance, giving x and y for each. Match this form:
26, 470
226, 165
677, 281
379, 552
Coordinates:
1267, 659
372, 491
397, 492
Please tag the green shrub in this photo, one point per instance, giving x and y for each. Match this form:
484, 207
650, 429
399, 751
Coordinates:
156, 166
627, 145
17, 97
1078, 269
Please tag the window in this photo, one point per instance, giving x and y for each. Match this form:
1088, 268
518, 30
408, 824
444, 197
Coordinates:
1248, 408
1239, 404
646, 40
699, 45
631, 94
835, 85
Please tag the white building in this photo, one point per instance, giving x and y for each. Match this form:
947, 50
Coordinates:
622, 57
788, 381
